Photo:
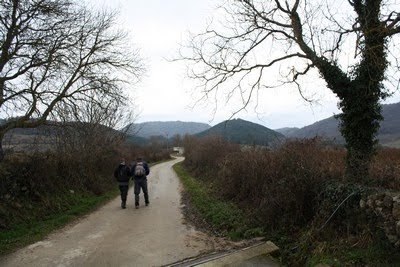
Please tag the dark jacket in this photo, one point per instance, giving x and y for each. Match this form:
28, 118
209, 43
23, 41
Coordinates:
127, 172
146, 168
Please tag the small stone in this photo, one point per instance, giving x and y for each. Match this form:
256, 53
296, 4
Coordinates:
370, 203
72, 191
396, 210
388, 201
379, 203
7, 196
362, 204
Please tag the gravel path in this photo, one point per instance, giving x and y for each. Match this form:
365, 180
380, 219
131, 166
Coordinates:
150, 236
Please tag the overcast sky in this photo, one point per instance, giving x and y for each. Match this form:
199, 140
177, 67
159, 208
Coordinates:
157, 27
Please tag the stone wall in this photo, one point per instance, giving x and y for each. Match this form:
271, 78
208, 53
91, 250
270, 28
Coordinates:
385, 208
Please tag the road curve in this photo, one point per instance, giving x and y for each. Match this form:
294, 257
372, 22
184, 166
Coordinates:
150, 236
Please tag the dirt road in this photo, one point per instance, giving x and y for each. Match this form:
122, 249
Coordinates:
110, 236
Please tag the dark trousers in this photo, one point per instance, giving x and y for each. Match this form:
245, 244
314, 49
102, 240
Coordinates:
124, 192
141, 183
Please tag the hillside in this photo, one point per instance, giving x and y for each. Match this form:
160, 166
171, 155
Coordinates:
390, 127
24, 138
244, 132
287, 131
328, 128
167, 128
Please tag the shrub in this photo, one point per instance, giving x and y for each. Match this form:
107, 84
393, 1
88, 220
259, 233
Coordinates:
32, 183
205, 155
298, 193
282, 184
385, 169
286, 187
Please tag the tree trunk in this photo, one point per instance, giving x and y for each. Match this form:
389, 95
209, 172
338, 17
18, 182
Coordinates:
1, 147
360, 105
359, 126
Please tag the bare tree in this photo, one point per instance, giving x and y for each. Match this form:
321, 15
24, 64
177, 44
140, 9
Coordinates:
57, 54
88, 133
177, 140
292, 38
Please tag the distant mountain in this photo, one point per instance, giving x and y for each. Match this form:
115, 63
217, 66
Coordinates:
137, 140
390, 126
327, 128
287, 131
244, 132
389, 131
167, 128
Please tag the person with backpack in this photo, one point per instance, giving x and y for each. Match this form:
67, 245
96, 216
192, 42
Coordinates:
139, 171
122, 174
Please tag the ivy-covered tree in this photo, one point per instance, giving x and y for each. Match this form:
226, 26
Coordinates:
347, 43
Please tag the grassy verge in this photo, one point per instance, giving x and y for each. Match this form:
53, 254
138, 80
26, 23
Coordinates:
222, 215
71, 207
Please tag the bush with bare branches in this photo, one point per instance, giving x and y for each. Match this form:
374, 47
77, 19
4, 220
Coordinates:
284, 188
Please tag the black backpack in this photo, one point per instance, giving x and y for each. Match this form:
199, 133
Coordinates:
123, 174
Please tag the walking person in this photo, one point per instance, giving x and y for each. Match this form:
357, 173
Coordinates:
122, 174
140, 171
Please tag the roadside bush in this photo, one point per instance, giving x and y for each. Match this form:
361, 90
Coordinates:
282, 184
32, 185
286, 187
82, 160
385, 169
205, 156
298, 194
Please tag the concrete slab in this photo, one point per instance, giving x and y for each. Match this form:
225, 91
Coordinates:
259, 261
246, 257
256, 255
